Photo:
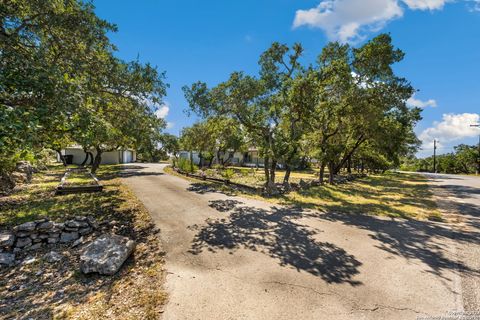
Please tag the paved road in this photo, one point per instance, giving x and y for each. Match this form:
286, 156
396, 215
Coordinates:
235, 258
459, 197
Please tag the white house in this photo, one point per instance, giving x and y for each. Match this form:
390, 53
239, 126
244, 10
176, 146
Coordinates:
250, 158
110, 157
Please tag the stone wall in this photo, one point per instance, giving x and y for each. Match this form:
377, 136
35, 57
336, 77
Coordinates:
35, 234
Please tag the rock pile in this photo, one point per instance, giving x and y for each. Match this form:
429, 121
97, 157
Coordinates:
34, 234
23, 172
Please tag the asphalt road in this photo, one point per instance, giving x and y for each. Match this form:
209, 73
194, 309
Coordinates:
459, 197
236, 258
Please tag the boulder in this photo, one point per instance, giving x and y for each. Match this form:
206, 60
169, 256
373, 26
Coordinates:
25, 227
52, 257
7, 239
77, 242
85, 231
35, 246
92, 222
25, 168
68, 236
45, 226
19, 177
7, 259
52, 240
23, 242
76, 224
106, 254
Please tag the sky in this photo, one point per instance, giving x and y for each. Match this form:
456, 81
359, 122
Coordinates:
195, 40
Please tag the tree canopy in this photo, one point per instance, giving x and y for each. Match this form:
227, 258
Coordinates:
60, 82
347, 105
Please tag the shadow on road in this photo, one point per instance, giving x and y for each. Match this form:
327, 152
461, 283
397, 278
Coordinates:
415, 240
276, 234
127, 172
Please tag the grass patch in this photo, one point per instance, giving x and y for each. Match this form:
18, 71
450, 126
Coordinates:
79, 178
391, 195
62, 292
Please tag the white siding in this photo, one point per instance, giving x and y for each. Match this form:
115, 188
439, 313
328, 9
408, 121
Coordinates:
111, 157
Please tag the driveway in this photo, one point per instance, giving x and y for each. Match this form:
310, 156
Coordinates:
229, 257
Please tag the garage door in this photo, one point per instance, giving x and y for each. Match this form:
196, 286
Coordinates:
128, 156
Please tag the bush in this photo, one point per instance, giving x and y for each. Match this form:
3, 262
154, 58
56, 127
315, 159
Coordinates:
186, 166
228, 173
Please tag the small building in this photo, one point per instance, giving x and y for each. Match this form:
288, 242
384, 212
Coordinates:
250, 158
119, 156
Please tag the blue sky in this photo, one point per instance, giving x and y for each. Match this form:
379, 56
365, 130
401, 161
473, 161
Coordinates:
206, 40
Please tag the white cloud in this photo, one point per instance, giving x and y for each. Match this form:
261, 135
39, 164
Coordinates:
414, 102
349, 20
163, 110
425, 4
170, 125
453, 127
475, 6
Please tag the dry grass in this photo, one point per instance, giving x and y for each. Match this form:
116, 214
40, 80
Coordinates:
61, 291
391, 195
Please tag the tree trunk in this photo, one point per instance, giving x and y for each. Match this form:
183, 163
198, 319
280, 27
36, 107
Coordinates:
62, 158
191, 161
349, 165
200, 164
331, 172
322, 173
266, 171
91, 158
288, 170
86, 157
273, 168
97, 160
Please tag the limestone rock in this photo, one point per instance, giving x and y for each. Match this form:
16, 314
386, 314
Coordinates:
68, 236
52, 240
92, 222
36, 246
84, 231
77, 242
23, 242
52, 257
76, 224
45, 226
7, 239
7, 259
106, 254
26, 227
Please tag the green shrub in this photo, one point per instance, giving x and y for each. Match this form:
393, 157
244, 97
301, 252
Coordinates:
228, 173
186, 166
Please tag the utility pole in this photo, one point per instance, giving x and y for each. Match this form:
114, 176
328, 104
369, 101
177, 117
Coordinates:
478, 159
434, 156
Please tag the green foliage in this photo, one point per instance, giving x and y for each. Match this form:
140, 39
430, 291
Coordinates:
60, 83
228, 173
186, 166
349, 106
464, 160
